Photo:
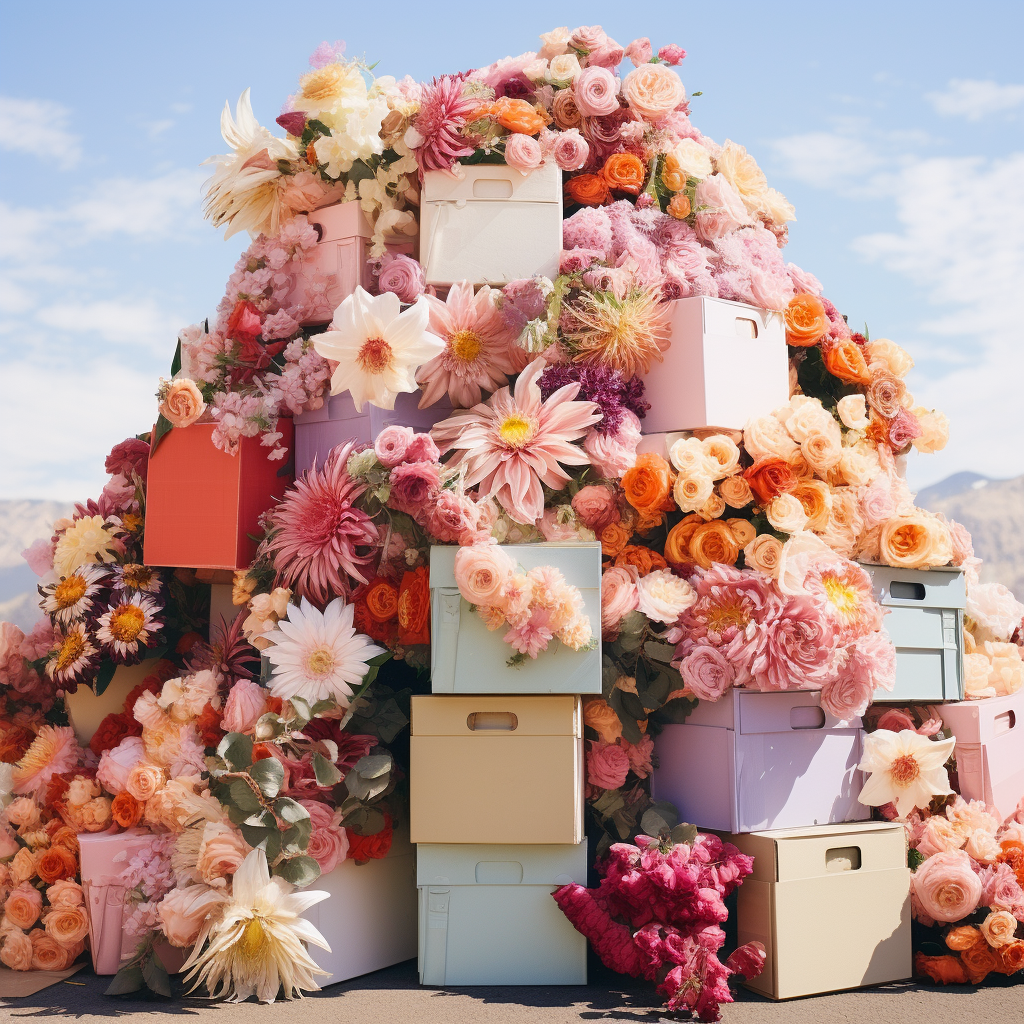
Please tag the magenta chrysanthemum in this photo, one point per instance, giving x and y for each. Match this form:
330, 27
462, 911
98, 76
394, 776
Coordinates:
443, 113
317, 533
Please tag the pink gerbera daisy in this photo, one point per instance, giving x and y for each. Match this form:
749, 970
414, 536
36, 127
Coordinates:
512, 444
443, 111
53, 752
846, 595
317, 533
478, 354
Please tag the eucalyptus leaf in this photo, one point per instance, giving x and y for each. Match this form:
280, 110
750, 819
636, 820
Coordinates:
243, 797
290, 810
327, 774
659, 651
236, 749
299, 871
373, 766
268, 774
684, 833
652, 823
272, 845
155, 975
254, 834
365, 821
128, 979
302, 710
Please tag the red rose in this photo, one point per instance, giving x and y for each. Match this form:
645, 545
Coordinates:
153, 683
112, 730
363, 620
363, 848
770, 476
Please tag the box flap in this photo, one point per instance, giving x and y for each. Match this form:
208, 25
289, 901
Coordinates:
497, 718
342, 220
945, 587
580, 564
785, 711
981, 721
478, 864
494, 183
724, 318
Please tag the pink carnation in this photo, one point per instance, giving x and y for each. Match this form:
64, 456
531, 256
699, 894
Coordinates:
422, 448
402, 275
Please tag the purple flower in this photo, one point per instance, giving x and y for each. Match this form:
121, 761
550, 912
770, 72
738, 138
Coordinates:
603, 385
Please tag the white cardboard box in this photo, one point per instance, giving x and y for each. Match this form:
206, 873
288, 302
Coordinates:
467, 657
727, 362
831, 906
487, 916
754, 761
491, 225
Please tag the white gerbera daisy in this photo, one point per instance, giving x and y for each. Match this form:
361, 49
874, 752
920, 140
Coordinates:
906, 769
256, 943
73, 597
126, 626
318, 655
378, 347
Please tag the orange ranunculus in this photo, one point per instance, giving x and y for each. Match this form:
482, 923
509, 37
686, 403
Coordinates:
959, 939
979, 961
1012, 957
624, 172
602, 718
644, 560
647, 485
414, 608
385, 633
364, 848
844, 359
679, 206
947, 970
614, 537
768, 477
126, 810
714, 542
520, 116
381, 599
587, 190
806, 320
56, 863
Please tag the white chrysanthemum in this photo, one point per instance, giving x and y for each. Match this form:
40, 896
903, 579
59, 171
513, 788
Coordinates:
906, 769
256, 944
378, 347
86, 540
319, 655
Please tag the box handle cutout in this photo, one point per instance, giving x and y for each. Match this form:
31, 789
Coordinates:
492, 721
842, 858
746, 328
807, 718
499, 872
904, 591
1004, 722
318, 228
492, 188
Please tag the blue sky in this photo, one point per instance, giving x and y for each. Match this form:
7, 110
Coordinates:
895, 129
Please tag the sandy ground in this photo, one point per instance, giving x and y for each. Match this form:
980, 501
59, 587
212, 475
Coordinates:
394, 995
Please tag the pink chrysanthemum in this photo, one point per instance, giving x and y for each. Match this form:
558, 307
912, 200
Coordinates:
513, 443
53, 752
847, 597
532, 636
443, 112
478, 354
317, 533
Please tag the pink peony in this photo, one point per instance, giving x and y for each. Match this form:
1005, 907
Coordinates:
392, 444
596, 505
707, 673
720, 209
795, 649
115, 764
413, 486
596, 91
422, 449
618, 598
612, 454
451, 517
328, 845
607, 765
946, 886
246, 702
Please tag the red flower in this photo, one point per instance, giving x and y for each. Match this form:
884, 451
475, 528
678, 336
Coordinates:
364, 848
245, 327
153, 683
364, 622
414, 608
208, 725
112, 730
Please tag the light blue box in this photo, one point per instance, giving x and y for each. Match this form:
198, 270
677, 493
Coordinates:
486, 916
926, 623
467, 657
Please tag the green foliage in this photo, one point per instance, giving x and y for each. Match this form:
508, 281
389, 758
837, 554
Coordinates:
326, 772
370, 776
268, 774
163, 427
300, 871
236, 750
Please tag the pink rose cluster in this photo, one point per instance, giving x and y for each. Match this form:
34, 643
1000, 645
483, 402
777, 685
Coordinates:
657, 914
537, 605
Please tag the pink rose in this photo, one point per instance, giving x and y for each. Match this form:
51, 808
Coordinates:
946, 886
183, 911
553, 528
607, 765
115, 764
246, 702
481, 572
937, 835
1000, 889
707, 673
895, 720
607, 56
847, 696
588, 38
652, 91
38, 641
422, 448
392, 444
719, 208
402, 275
16, 952
618, 598
451, 516
596, 506
570, 150
328, 844
672, 54
9, 846
23, 906
523, 152
39, 556
639, 755
639, 51
413, 486
612, 454
596, 91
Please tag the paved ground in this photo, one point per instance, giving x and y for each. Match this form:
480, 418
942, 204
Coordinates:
393, 995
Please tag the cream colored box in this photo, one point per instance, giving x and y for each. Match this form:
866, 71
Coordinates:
831, 904
496, 769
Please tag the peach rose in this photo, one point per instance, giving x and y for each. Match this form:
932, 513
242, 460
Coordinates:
16, 952
786, 514
145, 780
915, 541
806, 320
481, 572
56, 864
23, 866
962, 937
735, 492
624, 172
743, 530
722, 453
979, 961
618, 598
183, 403
221, 852
50, 955
601, 717
999, 928
853, 411
183, 912
822, 452
647, 485
886, 356
96, 814
765, 436
714, 542
763, 554
67, 924
1012, 957
614, 539
934, 430
946, 886
23, 906
938, 836
652, 91
65, 893
816, 499
858, 468
844, 359
693, 490
246, 702
23, 812
982, 847
713, 508
689, 159
885, 394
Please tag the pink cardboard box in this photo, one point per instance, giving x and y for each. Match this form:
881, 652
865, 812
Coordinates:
337, 421
989, 749
754, 761
727, 363
342, 256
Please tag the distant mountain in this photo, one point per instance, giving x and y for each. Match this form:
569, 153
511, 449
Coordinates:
21, 524
957, 484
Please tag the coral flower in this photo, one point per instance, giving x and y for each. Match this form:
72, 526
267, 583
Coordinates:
256, 942
126, 627
478, 354
53, 752
907, 769
444, 110
317, 533
512, 444
73, 597
378, 347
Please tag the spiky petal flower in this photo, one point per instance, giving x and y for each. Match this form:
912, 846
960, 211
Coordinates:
73, 597
74, 660
133, 578
444, 109
127, 626
514, 442
906, 769
53, 752
319, 655
317, 532
256, 943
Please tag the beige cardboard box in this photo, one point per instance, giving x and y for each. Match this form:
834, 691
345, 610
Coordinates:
830, 903
496, 769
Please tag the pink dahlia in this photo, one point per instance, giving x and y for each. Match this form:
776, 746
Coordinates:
513, 443
845, 593
795, 648
478, 354
443, 111
319, 538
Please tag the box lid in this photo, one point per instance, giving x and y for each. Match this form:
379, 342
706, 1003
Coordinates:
945, 587
752, 712
479, 864
342, 220
580, 564
497, 717
725, 318
981, 721
494, 182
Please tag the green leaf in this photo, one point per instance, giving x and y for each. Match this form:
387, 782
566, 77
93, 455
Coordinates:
156, 977
365, 821
244, 798
370, 776
254, 834
302, 710
176, 361
914, 860
630, 729
236, 749
684, 833
103, 676
660, 817
290, 810
268, 774
299, 871
128, 979
373, 766
327, 773
632, 705
163, 426
659, 651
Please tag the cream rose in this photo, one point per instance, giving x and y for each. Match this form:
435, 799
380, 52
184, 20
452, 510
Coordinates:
1006, 670
713, 508
663, 596
688, 455
857, 467
96, 814
740, 169
692, 491
743, 530
763, 554
691, 158
916, 540
805, 416
853, 411
765, 435
653, 90
736, 492
786, 513
144, 780
564, 68
822, 452
776, 207
935, 430
183, 403
976, 673
885, 355
982, 847
722, 455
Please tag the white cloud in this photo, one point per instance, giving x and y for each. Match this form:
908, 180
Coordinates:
138, 322
975, 99
25, 123
828, 159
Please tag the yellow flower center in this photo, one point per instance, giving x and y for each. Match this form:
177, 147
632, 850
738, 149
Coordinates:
324, 83
137, 577
845, 598
132, 523
69, 591
70, 651
515, 430
722, 616
126, 623
904, 770
465, 345
253, 944
375, 355
320, 661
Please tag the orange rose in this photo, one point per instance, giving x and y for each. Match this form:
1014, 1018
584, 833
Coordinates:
381, 599
813, 495
601, 717
587, 190
66, 837
714, 542
624, 172
1013, 854
768, 477
647, 485
677, 543
67, 925
743, 530
521, 116
48, 954
414, 608
979, 961
644, 560
126, 810
947, 970
614, 537
183, 403
844, 359
1012, 957
959, 939
679, 206
23, 906
806, 320
56, 863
